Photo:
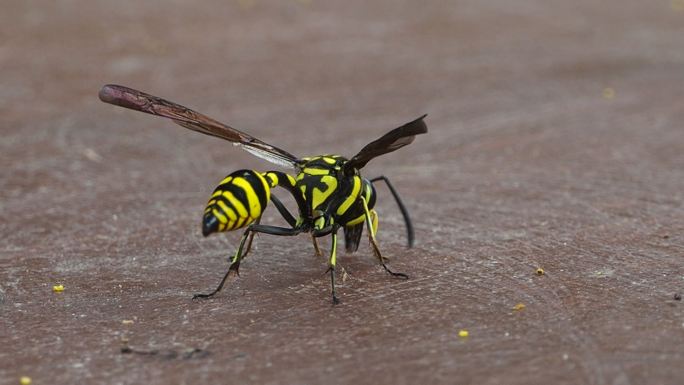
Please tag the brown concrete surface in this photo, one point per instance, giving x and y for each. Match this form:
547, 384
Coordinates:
555, 141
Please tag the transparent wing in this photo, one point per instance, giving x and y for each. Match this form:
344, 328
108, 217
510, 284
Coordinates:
140, 101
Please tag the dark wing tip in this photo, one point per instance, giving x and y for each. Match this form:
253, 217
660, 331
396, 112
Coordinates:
419, 125
121, 96
109, 93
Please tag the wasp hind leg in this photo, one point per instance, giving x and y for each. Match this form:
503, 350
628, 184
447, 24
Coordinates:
282, 210
374, 244
239, 254
402, 208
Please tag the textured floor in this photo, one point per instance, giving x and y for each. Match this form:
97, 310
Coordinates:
555, 142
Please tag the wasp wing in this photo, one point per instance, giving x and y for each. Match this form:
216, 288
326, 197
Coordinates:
140, 101
391, 141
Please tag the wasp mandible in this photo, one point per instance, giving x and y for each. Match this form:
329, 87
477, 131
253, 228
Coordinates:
329, 191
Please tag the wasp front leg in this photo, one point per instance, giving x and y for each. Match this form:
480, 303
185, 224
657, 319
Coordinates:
372, 224
333, 262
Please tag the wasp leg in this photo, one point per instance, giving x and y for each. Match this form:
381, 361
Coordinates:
235, 261
374, 244
249, 243
315, 245
284, 211
233, 269
319, 253
331, 269
402, 208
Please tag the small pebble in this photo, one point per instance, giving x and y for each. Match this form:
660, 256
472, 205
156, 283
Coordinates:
25, 380
540, 271
677, 297
463, 333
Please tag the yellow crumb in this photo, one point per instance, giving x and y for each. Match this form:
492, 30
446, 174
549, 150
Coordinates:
540, 271
677, 5
608, 93
127, 322
25, 380
246, 3
463, 333
58, 288
519, 306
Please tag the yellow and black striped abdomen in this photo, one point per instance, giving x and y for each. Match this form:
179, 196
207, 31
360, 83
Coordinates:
238, 200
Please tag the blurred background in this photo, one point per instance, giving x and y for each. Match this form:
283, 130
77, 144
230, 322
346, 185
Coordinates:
555, 142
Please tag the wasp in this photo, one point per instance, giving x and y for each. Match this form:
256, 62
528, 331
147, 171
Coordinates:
329, 190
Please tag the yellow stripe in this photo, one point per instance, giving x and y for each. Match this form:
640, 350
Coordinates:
320, 223
267, 188
319, 196
226, 180
329, 160
239, 223
291, 179
243, 222
351, 198
370, 226
239, 207
222, 218
273, 177
316, 171
229, 212
216, 193
356, 221
333, 252
252, 198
